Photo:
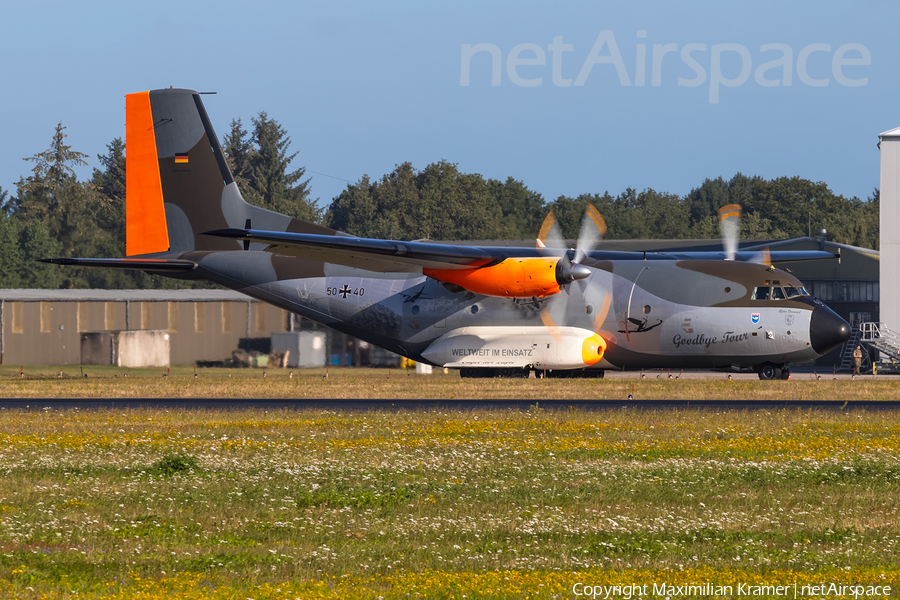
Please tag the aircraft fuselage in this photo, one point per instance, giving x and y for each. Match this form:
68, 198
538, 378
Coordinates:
661, 313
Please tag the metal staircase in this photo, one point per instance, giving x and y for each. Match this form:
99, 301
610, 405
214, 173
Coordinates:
887, 342
847, 350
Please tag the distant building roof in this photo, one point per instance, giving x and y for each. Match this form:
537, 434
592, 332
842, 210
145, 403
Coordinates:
121, 295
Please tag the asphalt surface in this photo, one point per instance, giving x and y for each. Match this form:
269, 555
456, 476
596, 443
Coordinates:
37, 404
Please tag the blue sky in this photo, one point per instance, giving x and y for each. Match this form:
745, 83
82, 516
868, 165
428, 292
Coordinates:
362, 86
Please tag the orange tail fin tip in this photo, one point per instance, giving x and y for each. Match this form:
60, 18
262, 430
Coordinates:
145, 215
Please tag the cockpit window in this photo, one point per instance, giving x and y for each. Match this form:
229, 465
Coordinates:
791, 291
760, 293
777, 293
803, 291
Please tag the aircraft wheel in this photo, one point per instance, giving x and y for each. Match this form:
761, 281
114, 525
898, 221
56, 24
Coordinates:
515, 373
479, 373
576, 374
768, 371
785, 373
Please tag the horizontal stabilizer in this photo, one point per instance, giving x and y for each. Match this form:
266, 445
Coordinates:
140, 264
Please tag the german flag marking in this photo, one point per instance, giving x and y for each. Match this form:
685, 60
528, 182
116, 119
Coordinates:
181, 158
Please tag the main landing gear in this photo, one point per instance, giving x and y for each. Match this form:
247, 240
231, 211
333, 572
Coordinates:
769, 371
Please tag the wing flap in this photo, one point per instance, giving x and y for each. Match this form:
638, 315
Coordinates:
140, 264
774, 256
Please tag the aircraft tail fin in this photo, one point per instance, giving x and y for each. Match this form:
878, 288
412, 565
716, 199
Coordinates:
178, 183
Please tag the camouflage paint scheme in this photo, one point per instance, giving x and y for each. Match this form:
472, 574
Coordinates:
666, 310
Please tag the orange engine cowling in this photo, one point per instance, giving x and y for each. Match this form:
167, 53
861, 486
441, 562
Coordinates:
531, 277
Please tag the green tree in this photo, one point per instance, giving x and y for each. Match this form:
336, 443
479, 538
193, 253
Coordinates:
46, 193
36, 242
109, 185
437, 203
11, 261
358, 210
271, 183
706, 200
238, 149
53, 206
455, 206
523, 210
568, 213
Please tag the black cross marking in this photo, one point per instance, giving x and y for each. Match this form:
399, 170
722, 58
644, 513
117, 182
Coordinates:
344, 291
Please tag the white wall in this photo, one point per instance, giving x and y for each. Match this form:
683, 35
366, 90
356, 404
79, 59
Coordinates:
890, 229
147, 348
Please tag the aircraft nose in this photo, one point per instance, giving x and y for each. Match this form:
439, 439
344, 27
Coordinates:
827, 330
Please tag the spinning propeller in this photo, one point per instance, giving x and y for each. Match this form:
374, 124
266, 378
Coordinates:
730, 226
550, 240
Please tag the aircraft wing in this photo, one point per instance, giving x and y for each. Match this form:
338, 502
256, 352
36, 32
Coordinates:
397, 256
386, 256
391, 256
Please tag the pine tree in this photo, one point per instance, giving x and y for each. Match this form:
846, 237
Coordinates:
36, 242
271, 185
11, 258
45, 194
238, 150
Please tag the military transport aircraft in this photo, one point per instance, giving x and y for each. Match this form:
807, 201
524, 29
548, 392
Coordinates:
488, 311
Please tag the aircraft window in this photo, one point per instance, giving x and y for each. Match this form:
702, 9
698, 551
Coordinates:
776, 282
760, 293
647, 309
803, 291
728, 290
474, 308
588, 309
791, 291
777, 293
415, 310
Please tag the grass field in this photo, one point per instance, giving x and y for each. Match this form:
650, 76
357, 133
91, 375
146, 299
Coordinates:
382, 383
442, 504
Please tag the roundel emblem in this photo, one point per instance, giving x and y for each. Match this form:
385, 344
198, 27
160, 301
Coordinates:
754, 318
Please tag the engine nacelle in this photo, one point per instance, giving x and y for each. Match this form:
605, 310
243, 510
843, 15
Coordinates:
564, 348
532, 277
